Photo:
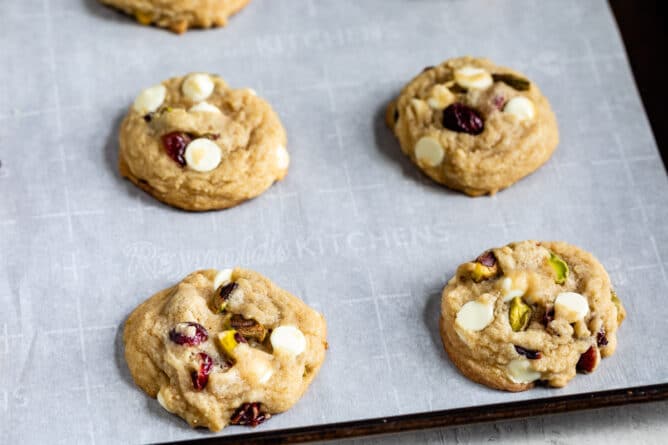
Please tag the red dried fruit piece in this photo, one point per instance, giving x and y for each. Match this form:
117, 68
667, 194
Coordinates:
201, 376
240, 338
484, 267
189, 333
226, 291
487, 259
458, 117
249, 414
601, 338
175, 144
528, 353
589, 360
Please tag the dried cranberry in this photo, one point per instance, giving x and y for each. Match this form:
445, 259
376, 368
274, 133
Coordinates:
601, 338
240, 338
588, 361
148, 117
487, 259
528, 353
249, 414
201, 376
459, 117
227, 290
188, 333
175, 144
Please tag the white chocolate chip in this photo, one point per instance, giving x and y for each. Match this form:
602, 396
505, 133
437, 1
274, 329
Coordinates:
506, 284
440, 97
266, 376
185, 329
261, 370
197, 87
473, 78
514, 284
429, 151
251, 91
150, 99
282, 157
222, 277
203, 155
162, 402
255, 366
513, 288
520, 107
288, 339
520, 371
570, 306
419, 107
475, 316
512, 294
204, 107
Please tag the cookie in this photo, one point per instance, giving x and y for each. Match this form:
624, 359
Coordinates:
224, 347
474, 126
197, 144
179, 15
529, 312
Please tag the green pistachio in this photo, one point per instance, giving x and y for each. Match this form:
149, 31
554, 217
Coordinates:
560, 268
515, 82
481, 272
519, 314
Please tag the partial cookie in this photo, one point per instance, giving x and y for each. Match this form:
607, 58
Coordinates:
197, 144
224, 347
474, 126
179, 15
529, 312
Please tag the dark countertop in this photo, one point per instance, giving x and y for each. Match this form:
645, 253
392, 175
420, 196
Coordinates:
644, 29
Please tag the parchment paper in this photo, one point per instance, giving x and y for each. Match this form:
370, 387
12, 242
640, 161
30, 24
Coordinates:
354, 230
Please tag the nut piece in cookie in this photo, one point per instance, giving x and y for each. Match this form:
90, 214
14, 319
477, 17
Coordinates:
239, 365
197, 144
179, 15
541, 311
473, 126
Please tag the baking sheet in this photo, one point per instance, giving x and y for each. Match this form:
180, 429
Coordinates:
354, 230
